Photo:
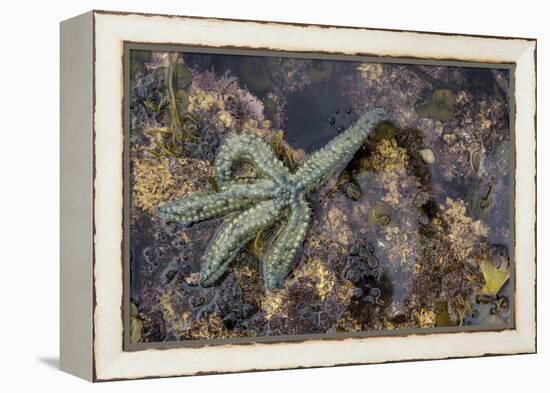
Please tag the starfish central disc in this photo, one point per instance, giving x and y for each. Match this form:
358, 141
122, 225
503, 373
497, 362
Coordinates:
288, 195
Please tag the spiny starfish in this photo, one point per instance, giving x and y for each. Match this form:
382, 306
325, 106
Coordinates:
277, 194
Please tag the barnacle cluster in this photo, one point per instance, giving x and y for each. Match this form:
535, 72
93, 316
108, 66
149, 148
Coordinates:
316, 281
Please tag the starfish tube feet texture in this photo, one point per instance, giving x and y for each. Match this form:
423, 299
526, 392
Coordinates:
205, 205
283, 249
233, 236
239, 148
322, 164
276, 196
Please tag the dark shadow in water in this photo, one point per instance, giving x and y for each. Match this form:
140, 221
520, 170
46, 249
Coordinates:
316, 115
52, 362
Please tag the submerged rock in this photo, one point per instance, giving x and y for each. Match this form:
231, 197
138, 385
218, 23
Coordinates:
438, 106
427, 155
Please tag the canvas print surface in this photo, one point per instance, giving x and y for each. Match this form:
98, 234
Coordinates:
279, 196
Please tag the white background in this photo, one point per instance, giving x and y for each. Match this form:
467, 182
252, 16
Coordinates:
29, 196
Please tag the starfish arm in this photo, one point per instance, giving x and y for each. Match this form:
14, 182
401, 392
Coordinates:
337, 153
282, 252
248, 148
204, 205
233, 236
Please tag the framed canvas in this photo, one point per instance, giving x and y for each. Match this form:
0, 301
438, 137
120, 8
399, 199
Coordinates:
245, 195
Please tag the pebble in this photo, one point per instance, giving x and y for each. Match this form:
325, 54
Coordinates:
427, 156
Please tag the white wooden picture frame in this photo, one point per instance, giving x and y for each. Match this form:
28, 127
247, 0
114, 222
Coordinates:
92, 181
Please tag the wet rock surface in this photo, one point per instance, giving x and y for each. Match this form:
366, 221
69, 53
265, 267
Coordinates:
413, 233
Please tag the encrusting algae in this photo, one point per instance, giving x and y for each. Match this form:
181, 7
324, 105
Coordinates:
158, 180
387, 157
